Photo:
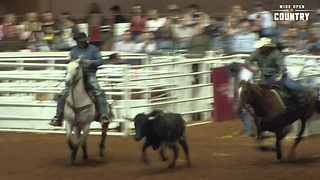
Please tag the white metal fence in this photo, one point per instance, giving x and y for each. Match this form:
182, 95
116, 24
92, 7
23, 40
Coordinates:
29, 83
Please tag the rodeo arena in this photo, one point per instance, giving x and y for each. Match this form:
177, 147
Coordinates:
182, 100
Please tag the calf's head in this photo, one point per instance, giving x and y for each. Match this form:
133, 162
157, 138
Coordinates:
140, 124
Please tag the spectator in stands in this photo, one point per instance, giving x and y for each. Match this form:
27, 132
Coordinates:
11, 39
223, 42
95, 19
32, 31
127, 44
215, 27
154, 21
148, 45
200, 42
291, 40
315, 30
256, 25
68, 30
138, 22
115, 59
164, 36
90, 60
118, 17
195, 17
244, 14
267, 23
305, 34
283, 26
232, 26
174, 13
244, 40
236, 12
182, 33
51, 30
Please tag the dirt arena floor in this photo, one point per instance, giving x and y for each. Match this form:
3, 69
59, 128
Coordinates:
216, 150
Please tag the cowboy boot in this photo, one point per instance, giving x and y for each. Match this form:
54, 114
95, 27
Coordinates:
103, 107
57, 119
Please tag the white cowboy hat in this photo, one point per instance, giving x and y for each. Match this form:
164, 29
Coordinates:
263, 42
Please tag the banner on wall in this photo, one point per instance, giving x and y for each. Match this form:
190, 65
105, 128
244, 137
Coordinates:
223, 90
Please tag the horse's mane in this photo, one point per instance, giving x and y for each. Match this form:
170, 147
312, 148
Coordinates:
258, 89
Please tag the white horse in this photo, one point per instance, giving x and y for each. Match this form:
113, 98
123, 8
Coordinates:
79, 112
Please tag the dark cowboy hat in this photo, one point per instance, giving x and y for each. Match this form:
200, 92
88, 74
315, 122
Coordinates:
82, 37
114, 56
115, 8
233, 69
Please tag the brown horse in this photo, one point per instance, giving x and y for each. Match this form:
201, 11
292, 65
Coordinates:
270, 114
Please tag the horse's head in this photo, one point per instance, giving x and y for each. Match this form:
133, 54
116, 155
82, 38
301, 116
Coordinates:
244, 96
74, 71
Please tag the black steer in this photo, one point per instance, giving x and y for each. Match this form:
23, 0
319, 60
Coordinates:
161, 130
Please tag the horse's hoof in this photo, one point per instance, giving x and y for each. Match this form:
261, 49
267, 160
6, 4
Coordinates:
101, 154
145, 161
85, 157
266, 148
280, 161
171, 166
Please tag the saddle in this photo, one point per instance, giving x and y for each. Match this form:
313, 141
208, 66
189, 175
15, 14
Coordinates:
287, 96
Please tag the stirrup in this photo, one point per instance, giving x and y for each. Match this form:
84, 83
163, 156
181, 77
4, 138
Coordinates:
56, 122
104, 119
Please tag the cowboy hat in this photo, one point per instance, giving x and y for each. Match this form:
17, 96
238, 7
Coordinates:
115, 8
263, 42
114, 56
82, 37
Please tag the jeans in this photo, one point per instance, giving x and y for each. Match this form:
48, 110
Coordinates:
286, 82
247, 123
166, 45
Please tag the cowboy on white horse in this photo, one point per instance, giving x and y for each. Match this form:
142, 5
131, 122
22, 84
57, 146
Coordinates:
90, 59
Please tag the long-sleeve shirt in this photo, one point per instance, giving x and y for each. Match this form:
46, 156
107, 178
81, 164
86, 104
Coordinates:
150, 47
123, 46
92, 53
243, 42
269, 64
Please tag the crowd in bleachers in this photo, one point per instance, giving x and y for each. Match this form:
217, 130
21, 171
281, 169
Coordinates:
148, 32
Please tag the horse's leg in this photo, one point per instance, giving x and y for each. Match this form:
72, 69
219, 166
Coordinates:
103, 138
75, 145
69, 136
70, 142
86, 132
298, 138
175, 148
185, 147
279, 136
